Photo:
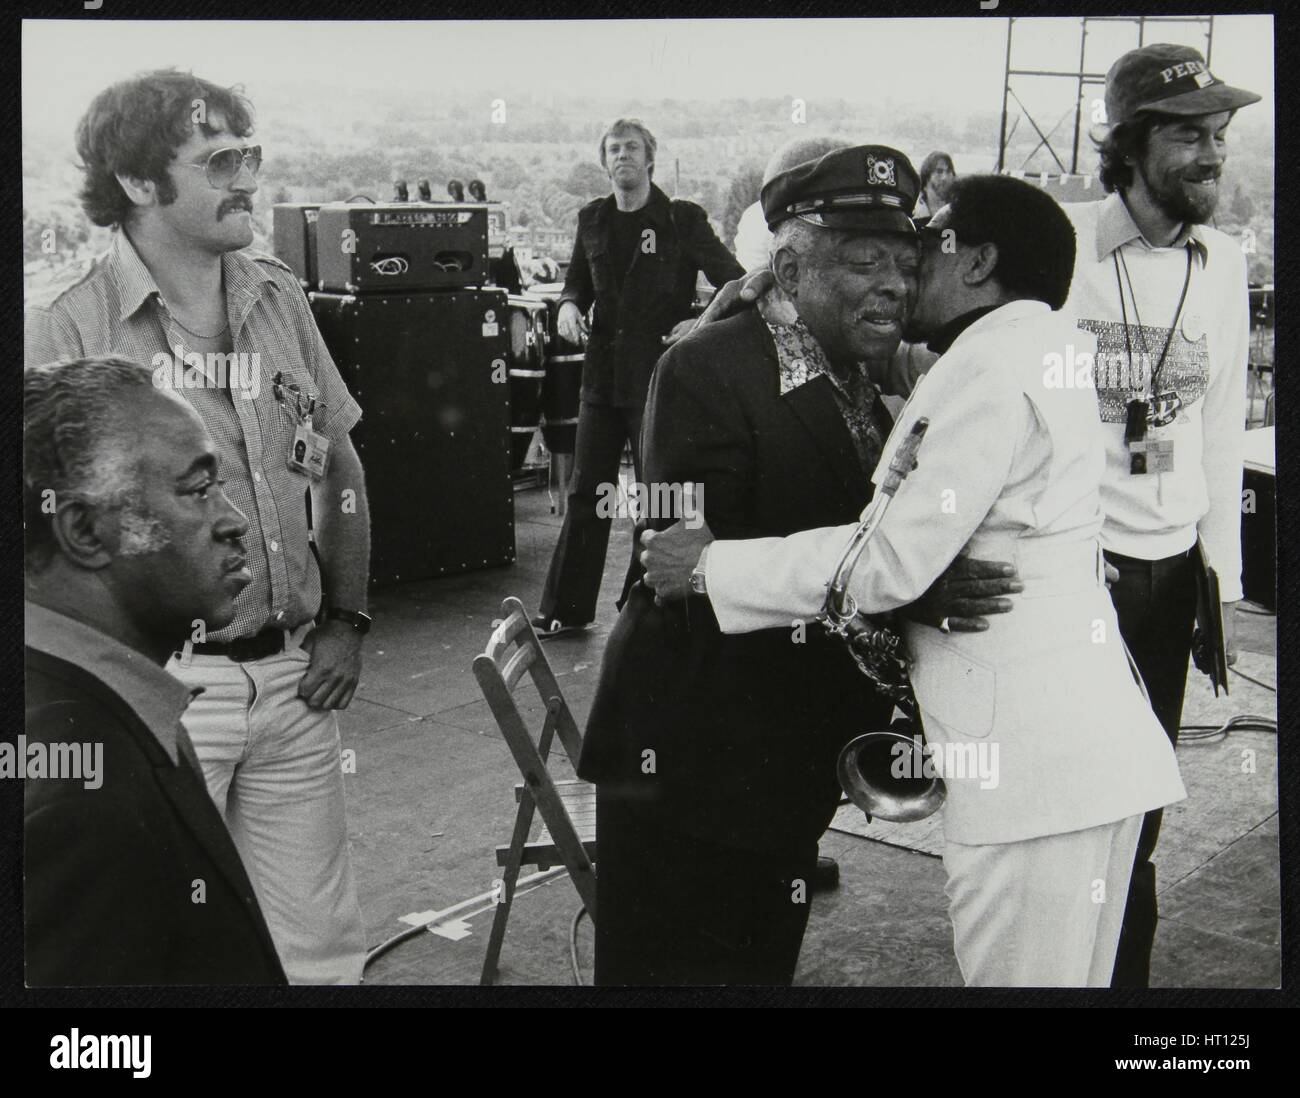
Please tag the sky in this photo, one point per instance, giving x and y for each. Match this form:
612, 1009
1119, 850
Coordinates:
925, 62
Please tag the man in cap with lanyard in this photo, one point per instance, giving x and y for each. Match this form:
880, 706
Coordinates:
1166, 298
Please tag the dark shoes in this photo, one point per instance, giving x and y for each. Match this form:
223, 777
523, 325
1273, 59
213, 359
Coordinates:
827, 874
545, 628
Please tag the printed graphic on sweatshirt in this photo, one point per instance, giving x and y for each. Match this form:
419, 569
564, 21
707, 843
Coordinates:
1119, 379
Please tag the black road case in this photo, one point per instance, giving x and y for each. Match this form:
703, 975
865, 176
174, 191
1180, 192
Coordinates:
430, 373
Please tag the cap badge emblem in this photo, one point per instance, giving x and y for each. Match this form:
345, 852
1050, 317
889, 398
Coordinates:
880, 172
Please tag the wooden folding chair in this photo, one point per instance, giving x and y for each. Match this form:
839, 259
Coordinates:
567, 806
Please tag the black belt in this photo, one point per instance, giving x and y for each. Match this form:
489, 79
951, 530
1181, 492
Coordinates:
268, 642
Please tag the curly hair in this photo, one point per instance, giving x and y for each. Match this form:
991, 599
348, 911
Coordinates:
134, 128
1121, 142
75, 441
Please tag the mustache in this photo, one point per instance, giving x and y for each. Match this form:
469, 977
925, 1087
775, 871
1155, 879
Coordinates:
233, 204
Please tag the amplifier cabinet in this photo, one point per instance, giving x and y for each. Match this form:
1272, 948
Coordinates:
1259, 538
293, 234
430, 373
498, 215
362, 247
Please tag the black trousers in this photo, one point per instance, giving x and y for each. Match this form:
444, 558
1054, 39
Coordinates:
1155, 601
676, 910
573, 582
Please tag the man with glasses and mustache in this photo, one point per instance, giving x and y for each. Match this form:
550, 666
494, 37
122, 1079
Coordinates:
166, 165
1166, 298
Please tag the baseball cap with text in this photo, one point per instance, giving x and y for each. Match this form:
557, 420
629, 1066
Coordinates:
1167, 79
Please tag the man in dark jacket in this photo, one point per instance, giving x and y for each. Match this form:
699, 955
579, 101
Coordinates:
130, 874
636, 259
714, 756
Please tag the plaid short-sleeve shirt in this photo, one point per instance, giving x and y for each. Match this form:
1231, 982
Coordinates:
115, 307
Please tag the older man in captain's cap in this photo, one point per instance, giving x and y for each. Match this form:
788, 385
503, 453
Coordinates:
714, 756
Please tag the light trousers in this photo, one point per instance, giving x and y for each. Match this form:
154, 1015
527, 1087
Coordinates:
273, 767
1042, 912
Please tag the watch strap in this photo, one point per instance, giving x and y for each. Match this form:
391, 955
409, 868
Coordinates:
698, 574
359, 620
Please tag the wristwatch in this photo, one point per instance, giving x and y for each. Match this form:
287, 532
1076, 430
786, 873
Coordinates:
358, 619
697, 577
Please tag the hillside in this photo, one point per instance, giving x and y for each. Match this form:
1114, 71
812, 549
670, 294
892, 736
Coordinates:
539, 155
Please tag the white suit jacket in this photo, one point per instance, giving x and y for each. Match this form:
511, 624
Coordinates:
1012, 464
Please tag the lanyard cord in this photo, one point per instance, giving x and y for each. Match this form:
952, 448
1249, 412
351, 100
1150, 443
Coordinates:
1123, 309
1118, 258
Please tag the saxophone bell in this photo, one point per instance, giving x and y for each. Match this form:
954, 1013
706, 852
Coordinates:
883, 773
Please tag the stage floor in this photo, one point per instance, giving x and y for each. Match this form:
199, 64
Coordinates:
432, 797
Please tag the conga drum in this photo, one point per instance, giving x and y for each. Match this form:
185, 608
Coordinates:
561, 397
562, 388
527, 321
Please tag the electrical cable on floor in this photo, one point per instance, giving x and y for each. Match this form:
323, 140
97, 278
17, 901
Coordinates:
573, 946
1242, 722
523, 885
389, 943
1257, 682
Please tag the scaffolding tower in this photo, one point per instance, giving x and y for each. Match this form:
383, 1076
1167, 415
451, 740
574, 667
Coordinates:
1084, 79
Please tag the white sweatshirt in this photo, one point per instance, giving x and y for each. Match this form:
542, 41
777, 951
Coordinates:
1155, 515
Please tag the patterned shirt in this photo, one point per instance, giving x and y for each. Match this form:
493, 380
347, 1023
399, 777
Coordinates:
115, 307
800, 358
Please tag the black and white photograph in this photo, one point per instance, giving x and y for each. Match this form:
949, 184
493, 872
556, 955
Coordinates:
712, 503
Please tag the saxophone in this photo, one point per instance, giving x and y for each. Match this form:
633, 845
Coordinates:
868, 764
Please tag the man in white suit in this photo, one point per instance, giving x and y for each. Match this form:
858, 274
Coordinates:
1038, 859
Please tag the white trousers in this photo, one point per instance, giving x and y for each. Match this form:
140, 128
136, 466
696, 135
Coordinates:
273, 767
1043, 912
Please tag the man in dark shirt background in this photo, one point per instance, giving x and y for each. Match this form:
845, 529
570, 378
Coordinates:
635, 259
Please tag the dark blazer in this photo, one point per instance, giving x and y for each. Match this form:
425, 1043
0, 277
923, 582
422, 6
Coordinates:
109, 873
745, 729
657, 292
